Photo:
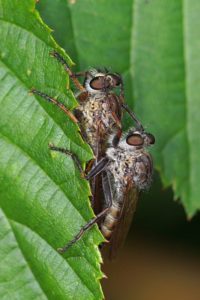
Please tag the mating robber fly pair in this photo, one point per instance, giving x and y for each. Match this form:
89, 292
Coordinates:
122, 165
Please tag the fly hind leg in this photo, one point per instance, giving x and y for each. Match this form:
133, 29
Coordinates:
95, 220
83, 230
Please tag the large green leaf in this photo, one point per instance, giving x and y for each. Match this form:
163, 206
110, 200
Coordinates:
43, 200
165, 54
155, 45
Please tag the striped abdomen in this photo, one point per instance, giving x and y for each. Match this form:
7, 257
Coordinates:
110, 220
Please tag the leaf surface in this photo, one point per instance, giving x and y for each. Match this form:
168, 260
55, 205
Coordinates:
43, 200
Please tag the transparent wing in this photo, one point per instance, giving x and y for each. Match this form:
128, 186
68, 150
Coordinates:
110, 250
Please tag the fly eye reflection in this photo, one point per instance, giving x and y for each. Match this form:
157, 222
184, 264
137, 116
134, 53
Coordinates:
99, 83
135, 140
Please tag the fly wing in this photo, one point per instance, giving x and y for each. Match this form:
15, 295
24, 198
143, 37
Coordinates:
96, 184
120, 232
115, 105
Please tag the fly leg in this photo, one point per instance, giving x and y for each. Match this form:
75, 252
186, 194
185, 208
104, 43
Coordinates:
93, 188
72, 75
127, 109
55, 102
72, 155
118, 124
133, 116
99, 167
83, 230
116, 119
95, 220
121, 93
98, 153
116, 138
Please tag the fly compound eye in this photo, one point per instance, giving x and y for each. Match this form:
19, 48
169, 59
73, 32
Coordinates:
99, 83
115, 79
151, 138
135, 140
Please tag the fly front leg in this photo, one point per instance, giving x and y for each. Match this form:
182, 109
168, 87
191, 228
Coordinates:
133, 116
55, 102
72, 75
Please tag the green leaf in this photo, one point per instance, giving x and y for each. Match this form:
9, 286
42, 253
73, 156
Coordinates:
43, 200
166, 60
155, 45
58, 16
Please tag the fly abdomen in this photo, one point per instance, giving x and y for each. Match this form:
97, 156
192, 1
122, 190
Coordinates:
110, 221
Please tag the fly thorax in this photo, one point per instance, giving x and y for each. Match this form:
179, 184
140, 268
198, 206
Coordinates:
112, 153
120, 168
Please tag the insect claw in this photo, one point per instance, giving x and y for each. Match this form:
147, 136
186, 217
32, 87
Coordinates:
60, 250
31, 91
51, 53
104, 276
83, 175
50, 145
106, 241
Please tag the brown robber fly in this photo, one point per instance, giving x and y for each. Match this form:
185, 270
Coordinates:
99, 115
99, 112
125, 170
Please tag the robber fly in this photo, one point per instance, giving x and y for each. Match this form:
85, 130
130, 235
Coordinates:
125, 170
99, 111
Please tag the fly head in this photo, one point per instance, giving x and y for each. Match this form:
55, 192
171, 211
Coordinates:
101, 82
140, 139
